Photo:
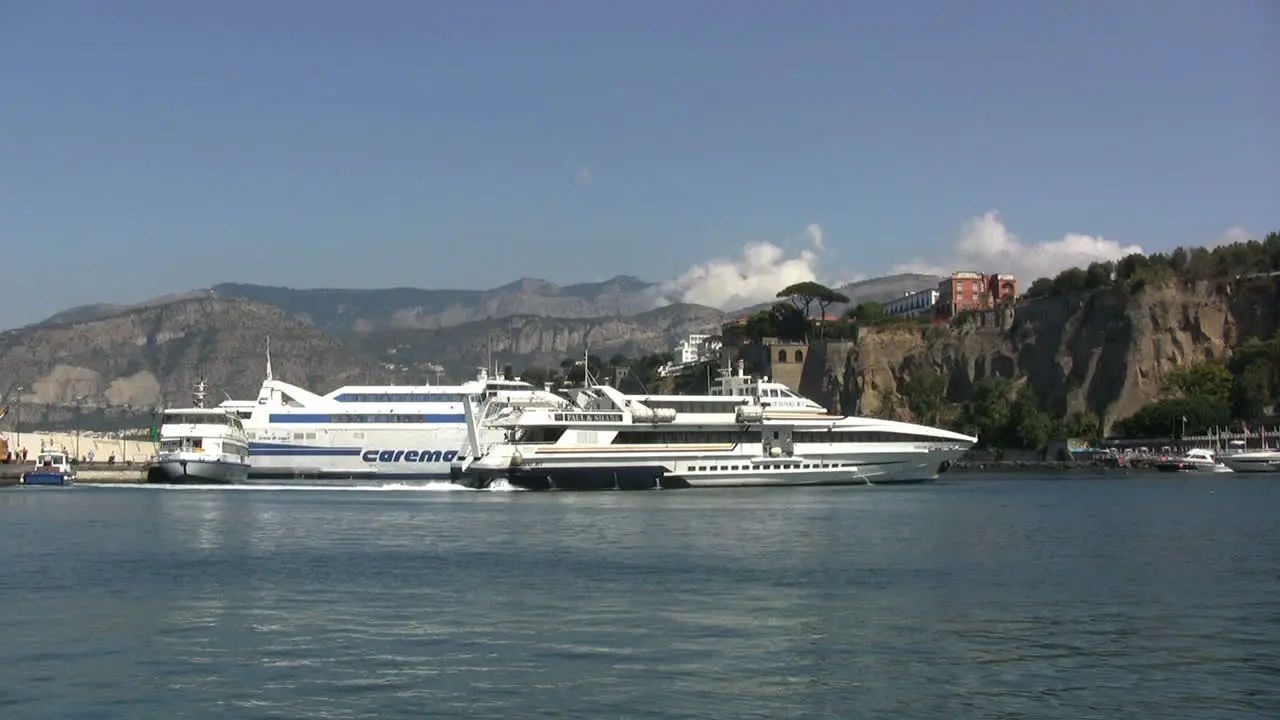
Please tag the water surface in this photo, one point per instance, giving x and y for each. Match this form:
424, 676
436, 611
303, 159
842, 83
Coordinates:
974, 597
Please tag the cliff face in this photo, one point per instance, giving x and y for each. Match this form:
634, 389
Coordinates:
1106, 351
134, 361
529, 340
114, 370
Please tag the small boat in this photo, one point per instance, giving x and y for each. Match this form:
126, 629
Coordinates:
200, 445
1261, 461
53, 467
1194, 460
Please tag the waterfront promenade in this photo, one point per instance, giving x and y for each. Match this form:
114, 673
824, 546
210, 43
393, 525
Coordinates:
79, 446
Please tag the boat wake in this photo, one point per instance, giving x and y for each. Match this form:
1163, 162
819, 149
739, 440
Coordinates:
441, 486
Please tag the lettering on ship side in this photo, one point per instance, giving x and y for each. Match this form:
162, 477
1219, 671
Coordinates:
409, 456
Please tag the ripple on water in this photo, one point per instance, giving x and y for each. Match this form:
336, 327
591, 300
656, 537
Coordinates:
1003, 599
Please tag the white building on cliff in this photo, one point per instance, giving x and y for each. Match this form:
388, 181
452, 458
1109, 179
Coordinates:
691, 351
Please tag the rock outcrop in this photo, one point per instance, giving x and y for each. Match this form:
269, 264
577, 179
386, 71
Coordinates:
136, 360
525, 340
1107, 351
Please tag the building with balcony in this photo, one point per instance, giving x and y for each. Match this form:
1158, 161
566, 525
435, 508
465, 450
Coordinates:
912, 304
970, 290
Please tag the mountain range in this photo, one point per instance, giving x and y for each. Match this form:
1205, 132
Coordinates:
122, 358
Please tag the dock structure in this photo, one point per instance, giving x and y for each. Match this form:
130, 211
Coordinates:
97, 472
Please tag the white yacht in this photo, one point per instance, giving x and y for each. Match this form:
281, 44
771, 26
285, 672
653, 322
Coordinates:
1242, 460
385, 433
1194, 460
610, 440
200, 445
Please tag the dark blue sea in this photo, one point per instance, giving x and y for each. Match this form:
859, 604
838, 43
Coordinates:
971, 598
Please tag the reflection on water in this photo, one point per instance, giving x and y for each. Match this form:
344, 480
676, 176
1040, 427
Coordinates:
966, 599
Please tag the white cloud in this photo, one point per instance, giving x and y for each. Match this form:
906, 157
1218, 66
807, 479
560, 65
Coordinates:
756, 277
986, 245
584, 176
1233, 234
816, 236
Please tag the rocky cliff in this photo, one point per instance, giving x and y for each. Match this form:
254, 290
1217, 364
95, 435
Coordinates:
131, 360
1106, 351
135, 360
525, 340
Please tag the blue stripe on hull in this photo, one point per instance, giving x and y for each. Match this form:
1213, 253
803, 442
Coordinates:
304, 452
327, 419
276, 449
274, 474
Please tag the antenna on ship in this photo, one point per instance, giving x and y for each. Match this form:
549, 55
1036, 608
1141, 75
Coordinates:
198, 394
268, 357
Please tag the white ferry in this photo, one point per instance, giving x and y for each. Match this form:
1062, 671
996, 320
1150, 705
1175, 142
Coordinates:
611, 440
200, 445
384, 433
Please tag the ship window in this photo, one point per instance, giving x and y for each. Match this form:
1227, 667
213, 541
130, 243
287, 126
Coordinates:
782, 356
545, 434
799, 356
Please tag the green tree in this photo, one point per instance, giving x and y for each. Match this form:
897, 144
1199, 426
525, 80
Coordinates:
1028, 427
867, 313
1208, 380
824, 300
1070, 280
987, 412
1164, 418
1084, 425
1255, 366
788, 322
538, 376
925, 395
1099, 275
1040, 287
804, 294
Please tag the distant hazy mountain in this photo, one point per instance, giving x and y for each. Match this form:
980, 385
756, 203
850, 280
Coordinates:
525, 340
411, 308
133, 359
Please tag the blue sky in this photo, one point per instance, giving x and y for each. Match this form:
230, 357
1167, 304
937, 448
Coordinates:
152, 146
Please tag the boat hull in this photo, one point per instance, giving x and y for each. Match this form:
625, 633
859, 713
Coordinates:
1246, 465
197, 472
1175, 466
48, 479
304, 479
658, 477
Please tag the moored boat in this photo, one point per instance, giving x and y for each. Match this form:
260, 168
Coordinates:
1194, 460
358, 435
53, 468
1261, 461
609, 440
200, 445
